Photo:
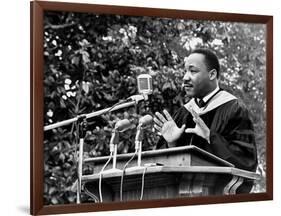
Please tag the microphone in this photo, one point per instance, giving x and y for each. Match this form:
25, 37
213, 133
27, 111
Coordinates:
144, 82
122, 125
145, 120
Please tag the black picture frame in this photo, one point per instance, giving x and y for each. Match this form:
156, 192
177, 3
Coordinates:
37, 9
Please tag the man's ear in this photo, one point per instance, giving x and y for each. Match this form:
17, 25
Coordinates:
213, 74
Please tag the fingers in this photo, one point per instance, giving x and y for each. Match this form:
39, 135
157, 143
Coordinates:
182, 128
168, 116
195, 120
196, 117
157, 128
157, 121
160, 117
165, 117
200, 122
191, 130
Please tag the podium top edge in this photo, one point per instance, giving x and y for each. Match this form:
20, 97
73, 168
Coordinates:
177, 169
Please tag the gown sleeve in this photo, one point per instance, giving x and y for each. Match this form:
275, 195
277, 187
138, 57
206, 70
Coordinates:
232, 136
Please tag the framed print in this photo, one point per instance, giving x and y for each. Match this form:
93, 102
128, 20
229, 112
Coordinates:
141, 107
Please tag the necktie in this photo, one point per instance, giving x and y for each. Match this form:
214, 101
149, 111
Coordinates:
200, 103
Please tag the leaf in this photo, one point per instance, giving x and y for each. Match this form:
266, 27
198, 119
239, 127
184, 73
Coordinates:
62, 103
62, 157
75, 60
54, 201
52, 190
85, 57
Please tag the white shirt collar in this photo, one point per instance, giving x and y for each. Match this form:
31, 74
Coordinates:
220, 98
208, 96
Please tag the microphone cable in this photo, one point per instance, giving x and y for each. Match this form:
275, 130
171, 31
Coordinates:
123, 174
142, 182
90, 194
100, 177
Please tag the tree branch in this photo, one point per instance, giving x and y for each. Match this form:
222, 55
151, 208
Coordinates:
65, 25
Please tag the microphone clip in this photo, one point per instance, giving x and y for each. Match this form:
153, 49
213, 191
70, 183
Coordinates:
138, 98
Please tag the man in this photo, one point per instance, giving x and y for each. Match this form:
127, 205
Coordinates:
213, 119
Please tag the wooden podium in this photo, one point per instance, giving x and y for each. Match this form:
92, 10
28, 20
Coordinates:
167, 173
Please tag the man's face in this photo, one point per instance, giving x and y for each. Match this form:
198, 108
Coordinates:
196, 81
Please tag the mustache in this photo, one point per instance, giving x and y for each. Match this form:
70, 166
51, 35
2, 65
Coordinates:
186, 83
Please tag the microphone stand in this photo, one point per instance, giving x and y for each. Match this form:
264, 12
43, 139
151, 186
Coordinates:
138, 143
90, 115
113, 149
82, 133
138, 148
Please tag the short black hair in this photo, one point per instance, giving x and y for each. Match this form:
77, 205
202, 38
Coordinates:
211, 59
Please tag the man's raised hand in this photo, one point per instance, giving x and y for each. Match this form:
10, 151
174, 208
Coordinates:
167, 127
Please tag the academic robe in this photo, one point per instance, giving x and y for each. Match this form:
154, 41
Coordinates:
232, 135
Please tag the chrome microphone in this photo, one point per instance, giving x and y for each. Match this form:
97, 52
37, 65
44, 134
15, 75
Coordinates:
143, 122
120, 126
144, 84
123, 125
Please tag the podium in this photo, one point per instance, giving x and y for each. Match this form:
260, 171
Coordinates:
167, 173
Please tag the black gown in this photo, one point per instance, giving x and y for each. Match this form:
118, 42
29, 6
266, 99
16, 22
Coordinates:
232, 136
